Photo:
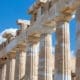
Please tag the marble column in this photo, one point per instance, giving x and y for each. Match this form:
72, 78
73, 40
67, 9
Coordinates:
0, 71
32, 61
20, 63
28, 62
78, 44
62, 52
12, 66
35, 60
45, 67
7, 69
17, 66
3, 72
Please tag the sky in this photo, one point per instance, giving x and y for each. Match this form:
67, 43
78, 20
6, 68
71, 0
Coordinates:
12, 10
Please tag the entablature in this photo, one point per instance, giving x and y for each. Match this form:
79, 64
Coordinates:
58, 9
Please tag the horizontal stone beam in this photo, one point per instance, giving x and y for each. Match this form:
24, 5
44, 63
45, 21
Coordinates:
57, 12
19, 39
24, 36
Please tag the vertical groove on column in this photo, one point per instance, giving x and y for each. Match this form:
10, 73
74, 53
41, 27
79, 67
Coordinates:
12, 68
3, 75
32, 62
0, 72
28, 62
20, 64
62, 52
7, 69
17, 67
78, 44
45, 69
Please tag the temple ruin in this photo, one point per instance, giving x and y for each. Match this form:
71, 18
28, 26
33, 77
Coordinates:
28, 55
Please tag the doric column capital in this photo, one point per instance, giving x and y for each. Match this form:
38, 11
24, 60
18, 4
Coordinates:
12, 55
33, 39
3, 60
21, 47
63, 18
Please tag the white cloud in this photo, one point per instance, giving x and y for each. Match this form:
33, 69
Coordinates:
10, 30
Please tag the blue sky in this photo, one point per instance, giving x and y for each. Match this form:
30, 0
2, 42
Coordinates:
11, 10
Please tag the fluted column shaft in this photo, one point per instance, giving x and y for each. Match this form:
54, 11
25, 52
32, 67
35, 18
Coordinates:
62, 52
12, 67
7, 69
45, 69
78, 44
28, 62
20, 63
3, 75
0, 72
32, 62
17, 66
